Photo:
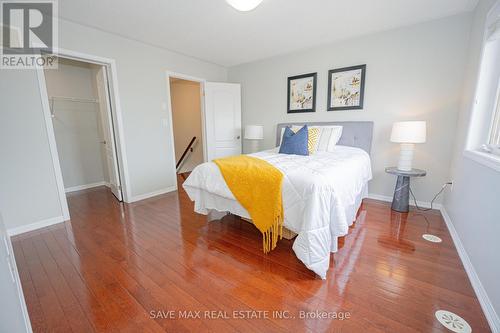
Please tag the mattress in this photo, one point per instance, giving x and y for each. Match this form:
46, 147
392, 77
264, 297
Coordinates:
321, 195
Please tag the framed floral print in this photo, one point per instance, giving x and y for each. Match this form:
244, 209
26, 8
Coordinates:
346, 88
302, 93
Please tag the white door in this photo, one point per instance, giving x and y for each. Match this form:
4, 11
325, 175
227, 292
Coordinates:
108, 137
223, 119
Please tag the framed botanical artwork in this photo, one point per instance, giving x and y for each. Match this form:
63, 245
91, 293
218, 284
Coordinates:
302, 93
346, 88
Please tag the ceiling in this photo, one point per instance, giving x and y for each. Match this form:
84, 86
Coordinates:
213, 31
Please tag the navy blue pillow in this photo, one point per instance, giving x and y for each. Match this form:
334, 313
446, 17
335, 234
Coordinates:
295, 143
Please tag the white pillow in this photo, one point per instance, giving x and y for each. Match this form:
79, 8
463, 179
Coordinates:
328, 137
281, 135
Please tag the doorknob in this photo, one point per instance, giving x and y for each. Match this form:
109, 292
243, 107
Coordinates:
238, 137
103, 142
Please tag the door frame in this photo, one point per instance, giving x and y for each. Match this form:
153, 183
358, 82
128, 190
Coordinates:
201, 81
116, 126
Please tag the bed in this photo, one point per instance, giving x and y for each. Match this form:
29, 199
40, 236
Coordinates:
321, 193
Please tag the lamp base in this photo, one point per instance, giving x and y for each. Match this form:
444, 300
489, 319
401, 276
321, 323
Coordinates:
401, 198
253, 146
406, 156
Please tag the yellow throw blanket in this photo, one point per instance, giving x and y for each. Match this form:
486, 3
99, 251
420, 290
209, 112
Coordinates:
256, 185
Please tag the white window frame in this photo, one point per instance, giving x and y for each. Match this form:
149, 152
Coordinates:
472, 150
495, 119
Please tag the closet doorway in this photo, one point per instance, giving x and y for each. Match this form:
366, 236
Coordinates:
81, 112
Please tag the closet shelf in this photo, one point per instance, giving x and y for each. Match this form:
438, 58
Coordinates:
52, 99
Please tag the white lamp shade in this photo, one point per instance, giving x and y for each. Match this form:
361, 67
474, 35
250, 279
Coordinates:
254, 132
409, 132
244, 5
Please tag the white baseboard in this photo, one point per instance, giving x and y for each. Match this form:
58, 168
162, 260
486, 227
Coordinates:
33, 226
86, 186
380, 197
481, 294
60, 219
152, 194
423, 204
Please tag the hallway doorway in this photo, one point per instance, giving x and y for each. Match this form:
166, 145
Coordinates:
187, 123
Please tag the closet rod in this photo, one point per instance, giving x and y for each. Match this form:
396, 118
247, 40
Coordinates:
73, 99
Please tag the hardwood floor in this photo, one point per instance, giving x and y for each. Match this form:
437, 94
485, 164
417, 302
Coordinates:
122, 268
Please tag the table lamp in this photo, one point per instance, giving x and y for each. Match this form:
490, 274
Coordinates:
254, 133
408, 133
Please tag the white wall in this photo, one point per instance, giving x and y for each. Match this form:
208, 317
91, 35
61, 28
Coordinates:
186, 119
143, 93
77, 125
28, 180
413, 73
70, 79
473, 203
28, 189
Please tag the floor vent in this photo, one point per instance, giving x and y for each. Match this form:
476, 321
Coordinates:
453, 322
432, 238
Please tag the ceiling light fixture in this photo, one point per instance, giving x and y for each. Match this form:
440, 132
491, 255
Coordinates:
244, 5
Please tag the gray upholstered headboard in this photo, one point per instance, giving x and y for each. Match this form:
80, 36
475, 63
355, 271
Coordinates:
354, 133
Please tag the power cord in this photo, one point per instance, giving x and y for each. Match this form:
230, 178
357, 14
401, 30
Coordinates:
425, 218
433, 199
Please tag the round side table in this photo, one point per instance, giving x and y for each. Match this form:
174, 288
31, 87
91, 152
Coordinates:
401, 198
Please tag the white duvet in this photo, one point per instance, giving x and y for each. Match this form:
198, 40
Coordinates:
321, 195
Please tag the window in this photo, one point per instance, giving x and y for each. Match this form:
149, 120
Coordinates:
495, 126
484, 127
483, 139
